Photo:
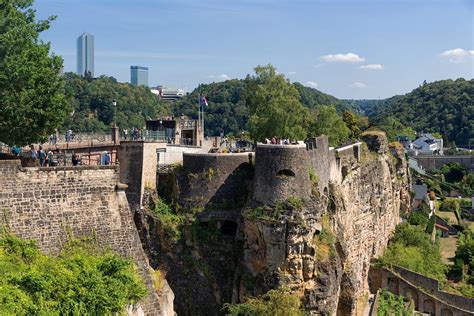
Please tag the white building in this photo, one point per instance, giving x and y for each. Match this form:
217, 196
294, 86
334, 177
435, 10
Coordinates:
427, 144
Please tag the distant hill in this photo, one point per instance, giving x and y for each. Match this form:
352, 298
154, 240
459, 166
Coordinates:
227, 110
92, 101
445, 106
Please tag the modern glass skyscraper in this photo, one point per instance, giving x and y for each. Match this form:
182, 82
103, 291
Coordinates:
85, 54
139, 75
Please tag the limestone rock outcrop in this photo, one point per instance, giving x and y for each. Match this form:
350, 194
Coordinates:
327, 214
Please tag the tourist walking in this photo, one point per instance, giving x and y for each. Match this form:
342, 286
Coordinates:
42, 156
33, 153
50, 158
75, 159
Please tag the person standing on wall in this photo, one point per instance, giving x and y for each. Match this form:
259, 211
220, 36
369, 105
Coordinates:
42, 156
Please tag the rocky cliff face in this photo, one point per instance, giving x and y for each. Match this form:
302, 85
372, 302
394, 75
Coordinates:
317, 241
322, 250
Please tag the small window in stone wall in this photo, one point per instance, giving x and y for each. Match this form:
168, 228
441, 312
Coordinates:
286, 173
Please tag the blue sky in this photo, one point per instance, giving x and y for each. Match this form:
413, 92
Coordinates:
347, 48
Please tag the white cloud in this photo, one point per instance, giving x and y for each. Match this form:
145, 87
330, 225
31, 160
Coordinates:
344, 58
219, 77
311, 84
372, 67
292, 73
358, 85
457, 55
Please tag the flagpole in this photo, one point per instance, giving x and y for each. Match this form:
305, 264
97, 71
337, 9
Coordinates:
199, 113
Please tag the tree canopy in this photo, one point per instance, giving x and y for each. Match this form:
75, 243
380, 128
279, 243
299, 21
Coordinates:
445, 106
328, 122
275, 108
228, 110
92, 101
31, 89
83, 280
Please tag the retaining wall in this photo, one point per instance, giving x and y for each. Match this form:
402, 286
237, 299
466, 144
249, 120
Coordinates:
45, 204
436, 162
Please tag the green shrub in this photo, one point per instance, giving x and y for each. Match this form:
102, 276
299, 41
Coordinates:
418, 217
83, 280
392, 305
412, 249
273, 303
170, 222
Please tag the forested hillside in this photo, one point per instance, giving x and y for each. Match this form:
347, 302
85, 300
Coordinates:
92, 104
446, 107
227, 109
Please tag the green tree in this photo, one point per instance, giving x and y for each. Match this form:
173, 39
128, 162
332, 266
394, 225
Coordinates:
83, 280
275, 108
351, 121
393, 128
273, 303
329, 123
413, 249
453, 172
31, 89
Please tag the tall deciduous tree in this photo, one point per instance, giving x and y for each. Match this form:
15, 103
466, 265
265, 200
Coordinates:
275, 108
329, 123
32, 102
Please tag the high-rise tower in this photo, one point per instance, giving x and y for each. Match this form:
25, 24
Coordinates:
85, 54
139, 75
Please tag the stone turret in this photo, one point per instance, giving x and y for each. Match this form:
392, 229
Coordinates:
281, 171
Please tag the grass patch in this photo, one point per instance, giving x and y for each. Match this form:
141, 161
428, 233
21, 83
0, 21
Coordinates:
325, 241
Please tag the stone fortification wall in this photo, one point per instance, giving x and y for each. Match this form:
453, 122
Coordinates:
436, 162
214, 180
138, 161
424, 291
281, 171
47, 204
322, 160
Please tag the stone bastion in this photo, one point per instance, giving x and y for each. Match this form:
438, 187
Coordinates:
213, 180
281, 171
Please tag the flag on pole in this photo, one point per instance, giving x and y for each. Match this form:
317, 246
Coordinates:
203, 101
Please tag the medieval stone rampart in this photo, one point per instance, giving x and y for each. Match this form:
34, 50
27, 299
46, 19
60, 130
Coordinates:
214, 180
281, 171
49, 205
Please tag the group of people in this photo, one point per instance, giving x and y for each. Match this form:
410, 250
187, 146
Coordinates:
45, 158
135, 134
277, 141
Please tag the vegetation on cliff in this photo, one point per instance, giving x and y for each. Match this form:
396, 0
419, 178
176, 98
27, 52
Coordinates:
32, 102
273, 303
445, 106
412, 248
82, 280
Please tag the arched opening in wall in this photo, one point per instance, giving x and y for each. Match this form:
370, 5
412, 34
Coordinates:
429, 307
229, 228
286, 173
446, 312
